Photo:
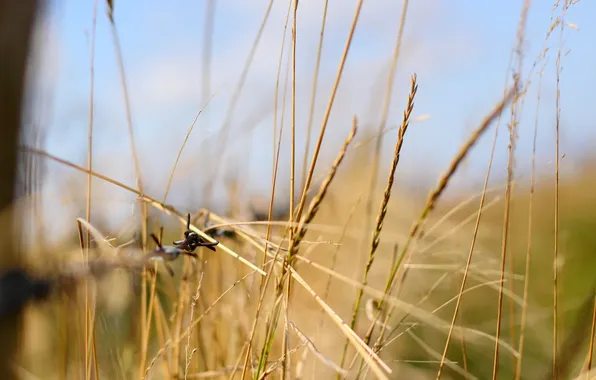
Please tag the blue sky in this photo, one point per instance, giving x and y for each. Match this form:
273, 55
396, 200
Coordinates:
459, 50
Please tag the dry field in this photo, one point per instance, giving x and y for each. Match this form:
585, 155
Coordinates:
349, 274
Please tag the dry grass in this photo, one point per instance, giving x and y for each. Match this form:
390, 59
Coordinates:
376, 237
284, 297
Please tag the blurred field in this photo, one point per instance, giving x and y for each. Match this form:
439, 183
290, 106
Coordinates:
199, 323
437, 260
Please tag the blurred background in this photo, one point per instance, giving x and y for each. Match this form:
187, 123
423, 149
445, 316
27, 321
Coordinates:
175, 61
170, 60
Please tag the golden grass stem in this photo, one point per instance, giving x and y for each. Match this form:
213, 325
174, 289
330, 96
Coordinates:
557, 160
286, 338
522, 332
505, 237
434, 195
376, 235
89, 180
137, 171
374, 173
276, 152
293, 143
318, 199
516, 111
334, 262
276, 149
328, 110
301, 230
313, 94
509, 188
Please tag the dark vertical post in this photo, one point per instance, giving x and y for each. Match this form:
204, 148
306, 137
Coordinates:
17, 20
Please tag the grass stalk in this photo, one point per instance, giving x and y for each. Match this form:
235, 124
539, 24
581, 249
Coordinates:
557, 160
505, 237
340, 70
88, 335
313, 94
524, 314
376, 236
285, 341
137, 171
334, 263
436, 193
276, 140
276, 152
294, 246
516, 111
374, 173
509, 188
